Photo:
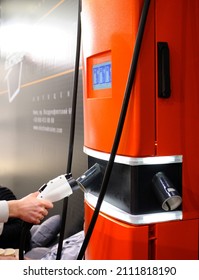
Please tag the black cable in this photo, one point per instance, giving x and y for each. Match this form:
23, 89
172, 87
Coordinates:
25, 229
72, 130
127, 95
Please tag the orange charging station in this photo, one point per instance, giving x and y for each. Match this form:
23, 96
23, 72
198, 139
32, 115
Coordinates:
151, 207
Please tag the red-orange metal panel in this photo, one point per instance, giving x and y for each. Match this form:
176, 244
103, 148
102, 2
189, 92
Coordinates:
178, 116
115, 240
154, 126
177, 240
109, 32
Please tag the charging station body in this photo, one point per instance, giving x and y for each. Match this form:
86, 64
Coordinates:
161, 123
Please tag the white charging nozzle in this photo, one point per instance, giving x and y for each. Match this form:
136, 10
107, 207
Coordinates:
56, 189
64, 185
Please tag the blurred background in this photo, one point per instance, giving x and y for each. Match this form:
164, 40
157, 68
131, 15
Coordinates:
37, 58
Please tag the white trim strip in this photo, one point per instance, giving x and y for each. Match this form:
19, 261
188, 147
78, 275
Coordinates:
134, 161
112, 211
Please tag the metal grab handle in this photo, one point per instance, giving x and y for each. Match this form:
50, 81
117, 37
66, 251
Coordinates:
164, 90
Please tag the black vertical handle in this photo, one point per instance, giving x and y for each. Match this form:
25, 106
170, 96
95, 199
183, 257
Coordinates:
164, 90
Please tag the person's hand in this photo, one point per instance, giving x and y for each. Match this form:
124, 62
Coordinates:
29, 208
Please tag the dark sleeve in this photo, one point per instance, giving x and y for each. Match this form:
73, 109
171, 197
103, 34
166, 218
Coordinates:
10, 237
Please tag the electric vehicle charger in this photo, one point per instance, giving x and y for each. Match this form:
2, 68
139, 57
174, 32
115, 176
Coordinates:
124, 108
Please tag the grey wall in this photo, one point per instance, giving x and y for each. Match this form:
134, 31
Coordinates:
37, 48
